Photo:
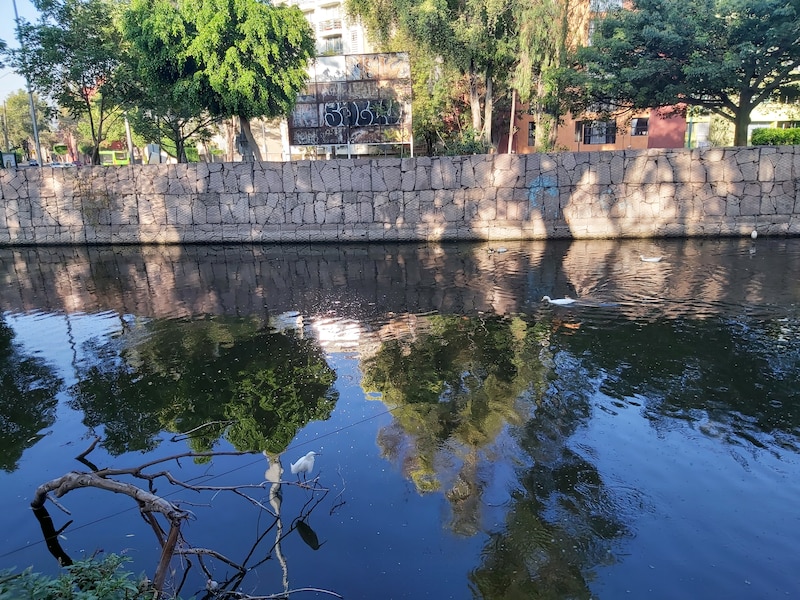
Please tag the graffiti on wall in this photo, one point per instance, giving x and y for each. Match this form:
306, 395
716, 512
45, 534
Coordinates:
354, 99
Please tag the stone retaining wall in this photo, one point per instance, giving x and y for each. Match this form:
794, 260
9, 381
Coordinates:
647, 193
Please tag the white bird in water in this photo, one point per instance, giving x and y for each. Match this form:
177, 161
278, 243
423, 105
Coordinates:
650, 258
559, 301
304, 464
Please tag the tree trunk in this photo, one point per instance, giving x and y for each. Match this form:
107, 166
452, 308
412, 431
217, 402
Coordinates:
230, 139
488, 107
180, 144
741, 121
512, 127
252, 151
474, 98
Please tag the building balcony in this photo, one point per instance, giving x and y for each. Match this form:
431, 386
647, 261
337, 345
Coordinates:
329, 25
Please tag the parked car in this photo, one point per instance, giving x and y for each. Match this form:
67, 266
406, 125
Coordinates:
33, 162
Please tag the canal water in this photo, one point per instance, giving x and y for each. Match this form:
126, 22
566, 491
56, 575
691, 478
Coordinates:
474, 440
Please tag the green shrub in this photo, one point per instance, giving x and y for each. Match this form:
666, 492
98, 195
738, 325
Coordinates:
90, 579
468, 142
775, 137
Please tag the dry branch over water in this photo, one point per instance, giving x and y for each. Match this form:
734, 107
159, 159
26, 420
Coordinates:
170, 538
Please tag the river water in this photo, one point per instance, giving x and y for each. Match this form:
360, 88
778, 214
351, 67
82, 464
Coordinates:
475, 441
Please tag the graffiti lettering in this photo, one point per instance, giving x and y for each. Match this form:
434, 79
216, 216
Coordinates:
362, 113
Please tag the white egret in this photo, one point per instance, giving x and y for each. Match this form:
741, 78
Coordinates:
754, 234
559, 301
304, 464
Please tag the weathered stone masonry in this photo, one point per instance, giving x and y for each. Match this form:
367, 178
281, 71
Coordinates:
647, 193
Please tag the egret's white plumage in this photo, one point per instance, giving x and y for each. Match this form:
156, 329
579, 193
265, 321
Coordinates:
754, 234
304, 464
559, 301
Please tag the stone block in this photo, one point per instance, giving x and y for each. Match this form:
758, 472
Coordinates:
230, 180
408, 181
330, 177
303, 177
215, 183
317, 182
288, 178
361, 178
423, 179
783, 170
365, 210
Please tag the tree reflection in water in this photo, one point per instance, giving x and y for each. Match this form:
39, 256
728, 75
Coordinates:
214, 377
564, 519
453, 389
28, 401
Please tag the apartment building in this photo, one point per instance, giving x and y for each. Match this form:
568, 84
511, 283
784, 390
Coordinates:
335, 32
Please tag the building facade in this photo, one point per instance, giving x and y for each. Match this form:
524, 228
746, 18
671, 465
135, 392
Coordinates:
335, 32
639, 130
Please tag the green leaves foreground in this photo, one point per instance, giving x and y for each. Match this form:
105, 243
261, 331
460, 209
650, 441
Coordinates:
87, 579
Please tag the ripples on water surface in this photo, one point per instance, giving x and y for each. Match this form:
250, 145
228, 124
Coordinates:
476, 442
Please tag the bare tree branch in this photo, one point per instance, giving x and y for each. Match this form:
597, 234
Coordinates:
147, 501
214, 553
150, 505
244, 596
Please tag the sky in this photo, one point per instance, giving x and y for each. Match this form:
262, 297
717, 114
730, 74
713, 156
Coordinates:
10, 81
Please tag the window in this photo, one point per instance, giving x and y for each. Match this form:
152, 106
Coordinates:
330, 19
598, 132
332, 45
639, 126
531, 133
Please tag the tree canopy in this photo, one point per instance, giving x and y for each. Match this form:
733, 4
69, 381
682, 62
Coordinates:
72, 56
254, 56
476, 37
19, 125
172, 95
728, 56
177, 66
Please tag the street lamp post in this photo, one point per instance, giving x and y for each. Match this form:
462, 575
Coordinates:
30, 93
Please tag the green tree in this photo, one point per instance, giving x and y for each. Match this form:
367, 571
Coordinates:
254, 56
475, 37
549, 30
174, 100
728, 56
73, 56
18, 119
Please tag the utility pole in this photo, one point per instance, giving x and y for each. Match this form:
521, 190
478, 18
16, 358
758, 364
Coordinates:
30, 93
129, 139
5, 128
